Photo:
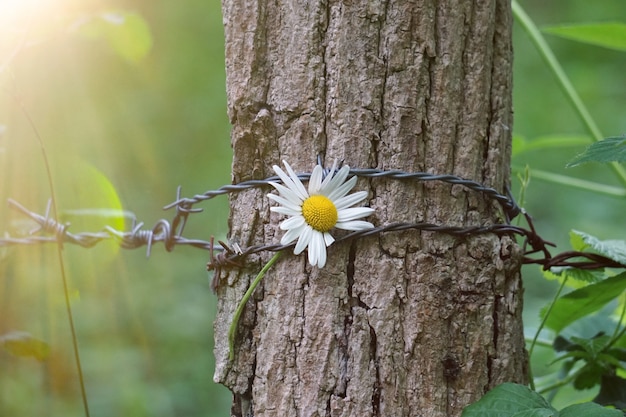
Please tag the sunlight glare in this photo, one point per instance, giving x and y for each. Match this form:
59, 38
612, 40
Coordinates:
26, 22
18, 13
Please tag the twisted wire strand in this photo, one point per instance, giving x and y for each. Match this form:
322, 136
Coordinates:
56, 232
507, 202
499, 229
223, 255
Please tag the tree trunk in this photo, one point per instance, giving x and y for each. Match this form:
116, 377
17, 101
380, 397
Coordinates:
398, 324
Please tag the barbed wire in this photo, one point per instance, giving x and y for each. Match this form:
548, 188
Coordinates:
56, 232
223, 255
510, 207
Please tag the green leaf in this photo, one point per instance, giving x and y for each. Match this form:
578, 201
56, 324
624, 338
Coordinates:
610, 35
589, 410
604, 151
594, 345
127, 33
23, 344
584, 301
577, 278
588, 377
576, 241
609, 361
510, 400
618, 353
562, 344
612, 249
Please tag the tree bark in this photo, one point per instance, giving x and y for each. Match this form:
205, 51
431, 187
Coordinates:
399, 324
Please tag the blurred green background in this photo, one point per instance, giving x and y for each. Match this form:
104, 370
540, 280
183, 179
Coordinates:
126, 115
542, 110
128, 99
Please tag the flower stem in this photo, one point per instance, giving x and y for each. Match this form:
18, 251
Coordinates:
242, 304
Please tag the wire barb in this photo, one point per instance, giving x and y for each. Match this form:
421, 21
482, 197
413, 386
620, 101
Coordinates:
223, 256
50, 231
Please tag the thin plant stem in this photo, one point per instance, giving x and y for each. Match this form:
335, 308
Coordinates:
553, 64
541, 343
524, 180
242, 304
617, 336
576, 183
558, 384
540, 328
66, 293
619, 330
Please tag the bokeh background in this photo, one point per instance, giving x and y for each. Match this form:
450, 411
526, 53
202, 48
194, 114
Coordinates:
126, 100
541, 111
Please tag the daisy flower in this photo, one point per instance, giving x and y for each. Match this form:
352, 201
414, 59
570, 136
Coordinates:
313, 213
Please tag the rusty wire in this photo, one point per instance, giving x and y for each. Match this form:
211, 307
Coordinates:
56, 232
224, 255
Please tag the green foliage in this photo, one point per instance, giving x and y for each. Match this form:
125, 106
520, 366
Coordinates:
162, 122
126, 33
607, 150
514, 400
599, 359
612, 249
589, 357
129, 102
583, 301
609, 35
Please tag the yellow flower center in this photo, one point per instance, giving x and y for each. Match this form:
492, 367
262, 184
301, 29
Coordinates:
320, 213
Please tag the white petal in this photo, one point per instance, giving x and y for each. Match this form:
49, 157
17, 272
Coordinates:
283, 176
313, 253
299, 188
329, 177
286, 211
288, 182
350, 200
336, 181
287, 193
292, 223
291, 235
328, 239
278, 170
354, 225
304, 240
284, 202
317, 250
342, 190
316, 180
353, 213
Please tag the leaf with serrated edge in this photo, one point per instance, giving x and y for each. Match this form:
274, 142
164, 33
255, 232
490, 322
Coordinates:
612, 249
604, 151
576, 241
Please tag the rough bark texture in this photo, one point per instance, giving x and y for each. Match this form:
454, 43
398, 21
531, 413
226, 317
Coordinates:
401, 324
